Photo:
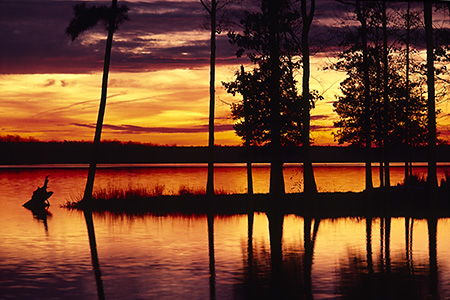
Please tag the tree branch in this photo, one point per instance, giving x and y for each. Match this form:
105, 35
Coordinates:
205, 6
311, 12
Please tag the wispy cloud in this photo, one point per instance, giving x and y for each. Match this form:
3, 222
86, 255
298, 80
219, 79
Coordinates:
159, 35
132, 129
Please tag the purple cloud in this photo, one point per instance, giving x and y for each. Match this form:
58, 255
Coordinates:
133, 129
34, 40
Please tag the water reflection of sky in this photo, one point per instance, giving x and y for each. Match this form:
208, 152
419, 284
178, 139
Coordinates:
167, 257
69, 180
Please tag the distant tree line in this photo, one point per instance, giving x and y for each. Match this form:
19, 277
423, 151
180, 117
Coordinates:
15, 150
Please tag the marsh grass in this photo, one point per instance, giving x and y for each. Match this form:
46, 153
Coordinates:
421, 181
445, 182
184, 190
139, 192
415, 181
130, 192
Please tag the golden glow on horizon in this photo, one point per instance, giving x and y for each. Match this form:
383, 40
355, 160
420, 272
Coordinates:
146, 107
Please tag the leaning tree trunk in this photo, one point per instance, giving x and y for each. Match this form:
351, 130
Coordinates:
367, 121
276, 165
101, 112
310, 186
432, 176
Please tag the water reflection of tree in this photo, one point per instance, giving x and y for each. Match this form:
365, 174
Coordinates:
279, 272
94, 254
388, 278
211, 255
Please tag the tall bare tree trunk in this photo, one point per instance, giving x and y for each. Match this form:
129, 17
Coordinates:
248, 156
210, 179
408, 166
101, 112
386, 104
362, 19
276, 166
310, 186
432, 176
379, 122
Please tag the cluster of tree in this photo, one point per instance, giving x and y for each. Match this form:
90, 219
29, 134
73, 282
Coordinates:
273, 111
382, 104
387, 98
392, 110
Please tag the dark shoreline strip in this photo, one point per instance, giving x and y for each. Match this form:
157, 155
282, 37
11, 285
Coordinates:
403, 202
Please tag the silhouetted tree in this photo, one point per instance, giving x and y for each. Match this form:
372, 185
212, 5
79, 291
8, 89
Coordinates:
407, 41
360, 12
213, 7
267, 34
351, 110
399, 121
253, 86
86, 17
266, 46
247, 137
308, 172
274, 8
212, 11
386, 104
361, 15
408, 28
432, 171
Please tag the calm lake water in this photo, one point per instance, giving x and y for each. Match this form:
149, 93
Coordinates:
251, 256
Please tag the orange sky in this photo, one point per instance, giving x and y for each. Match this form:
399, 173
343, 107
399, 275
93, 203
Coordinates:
159, 80
163, 107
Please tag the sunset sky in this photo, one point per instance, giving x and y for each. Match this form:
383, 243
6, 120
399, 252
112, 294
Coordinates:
159, 80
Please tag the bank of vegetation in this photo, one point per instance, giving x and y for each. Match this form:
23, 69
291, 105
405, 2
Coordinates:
398, 201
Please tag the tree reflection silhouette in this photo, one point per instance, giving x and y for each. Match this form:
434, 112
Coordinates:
212, 260
391, 277
309, 242
432, 248
409, 223
94, 254
276, 252
369, 245
281, 272
250, 220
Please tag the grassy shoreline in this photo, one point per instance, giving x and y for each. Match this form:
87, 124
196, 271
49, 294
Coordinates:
395, 202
